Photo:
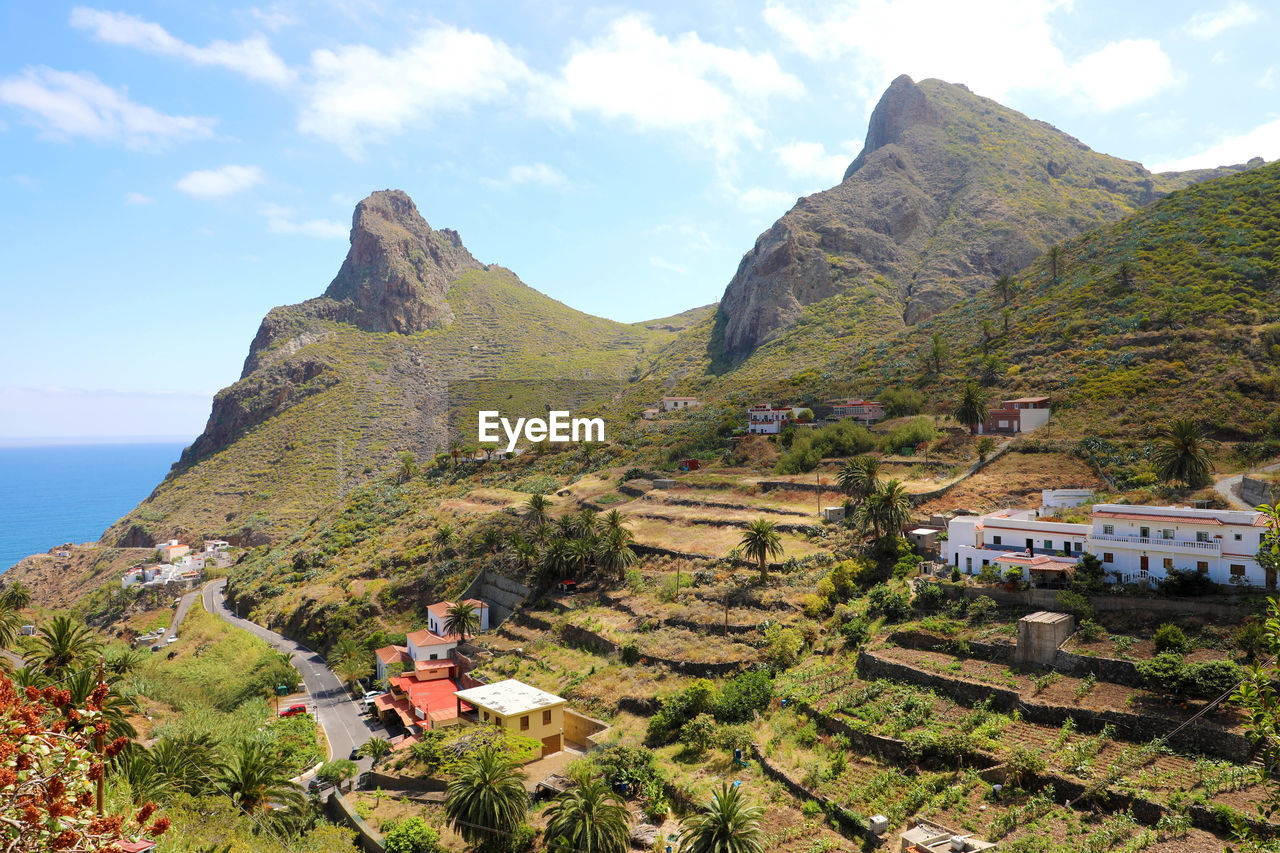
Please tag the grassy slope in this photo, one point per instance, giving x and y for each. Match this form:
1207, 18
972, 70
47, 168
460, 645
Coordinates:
1115, 359
380, 394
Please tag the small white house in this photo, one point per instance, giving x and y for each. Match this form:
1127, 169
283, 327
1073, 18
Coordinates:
974, 541
671, 404
438, 615
212, 546
764, 419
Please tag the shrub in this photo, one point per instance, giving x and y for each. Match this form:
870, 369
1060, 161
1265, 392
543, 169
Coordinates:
855, 631
1251, 640
1022, 765
1090, 631
1169, 638
901, 401
1186, 583
1209, 679
893, 605
698, 733
982, 608
929, 597
810, 809
782, 646
630, 653
988, 574
746, 694
411, 835
734, 737
679, 708
338, 770
1075, 604
653, 799
631, 764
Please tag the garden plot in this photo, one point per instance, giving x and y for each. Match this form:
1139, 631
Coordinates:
1015, 479
667, 642
702, 539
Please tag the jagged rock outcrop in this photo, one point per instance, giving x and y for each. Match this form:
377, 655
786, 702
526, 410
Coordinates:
950, 191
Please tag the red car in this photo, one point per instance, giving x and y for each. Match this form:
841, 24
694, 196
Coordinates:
294, 710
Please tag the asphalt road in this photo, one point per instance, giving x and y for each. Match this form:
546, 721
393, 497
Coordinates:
184, 604
1229, 487
344, 725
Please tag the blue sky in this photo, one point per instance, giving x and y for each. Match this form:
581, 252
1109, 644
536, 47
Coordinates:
171, 171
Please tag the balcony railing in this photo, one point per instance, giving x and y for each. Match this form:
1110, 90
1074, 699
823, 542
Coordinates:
1174, 544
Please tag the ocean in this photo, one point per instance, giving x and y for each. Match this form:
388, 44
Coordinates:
71, 493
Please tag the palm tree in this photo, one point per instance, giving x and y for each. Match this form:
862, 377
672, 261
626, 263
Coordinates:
556, 559
727, 825
63, 645
614, 552
759, 542
486, 798
1055, 261
376, 748
611, 521
535, 510
584, 523
1125, 274
145, 783
349, 661
1005, 315
115, 707
462, 619
186, 763
886, 511
582, 554
988, 333
1004, 288
1182, 453
859, 477
522, 553
937, 353
253, 779
122, 661
407, 468
971, 407
542, 531
444, 538
15, 596
588, 819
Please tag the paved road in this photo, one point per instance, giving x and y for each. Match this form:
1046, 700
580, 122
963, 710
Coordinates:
184, 604
1229, 487
344, 724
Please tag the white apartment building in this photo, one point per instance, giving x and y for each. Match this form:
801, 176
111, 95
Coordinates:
1148, 541
672, 404
1133, 542
974, 541
764, 419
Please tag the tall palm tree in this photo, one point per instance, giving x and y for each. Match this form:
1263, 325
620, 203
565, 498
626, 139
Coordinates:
522, 553
584, 523
349, 661
988, 334
486, 798
582, 554
588, 819
254, 779
64, 645
1004, 288
971, 406
444, 539
759, 542
462, 619
611, 521
535, 510
937, 353
887, 510
1182, 453
15, 596
859, 477
556, 559
728, 825
115, 707
376, 748
1055, 261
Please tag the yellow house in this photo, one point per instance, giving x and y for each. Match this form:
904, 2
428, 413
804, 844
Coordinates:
519, 708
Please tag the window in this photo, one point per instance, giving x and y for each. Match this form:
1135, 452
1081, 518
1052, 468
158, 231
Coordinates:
1237, 570
546, 718
1166, 533
1109, 529
1108, 557
497, 721
433, 657
486, 716
1202, 566
1144, 532
524, 723
986, 562
1168, 564
1048, 544
995, 540
1239, 537
968, 564
1202, 536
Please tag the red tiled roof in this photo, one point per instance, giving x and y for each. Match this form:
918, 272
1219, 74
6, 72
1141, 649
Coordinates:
393, 654
427, 638
423, 665
434, 698
1139, 516
1040, 562
1028, 400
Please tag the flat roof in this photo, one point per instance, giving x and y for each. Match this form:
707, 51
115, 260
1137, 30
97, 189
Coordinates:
1048, 617
509, 697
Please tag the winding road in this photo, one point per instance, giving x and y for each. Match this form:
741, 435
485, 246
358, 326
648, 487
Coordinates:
1229, 487
345, 727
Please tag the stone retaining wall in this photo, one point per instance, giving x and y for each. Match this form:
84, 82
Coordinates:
339, 811
676, 622
1203, 737
848, 823
584, 637
1256, 492
1222, 607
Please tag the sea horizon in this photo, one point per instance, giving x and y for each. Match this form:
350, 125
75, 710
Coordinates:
58, 492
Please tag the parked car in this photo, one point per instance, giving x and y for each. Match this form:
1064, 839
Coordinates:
173, 639
355, 753
294, 710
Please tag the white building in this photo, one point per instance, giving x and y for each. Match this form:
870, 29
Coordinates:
212, 546
764, 419
1148, 541
1133, 542
671, 404
426, 645
866, 411
974, 541
438, 615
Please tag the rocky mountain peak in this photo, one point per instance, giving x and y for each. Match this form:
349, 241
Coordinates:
398, 271
903, 105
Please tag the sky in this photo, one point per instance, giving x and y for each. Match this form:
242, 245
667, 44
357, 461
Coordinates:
171, 171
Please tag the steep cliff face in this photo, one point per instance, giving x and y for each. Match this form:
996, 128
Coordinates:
950, 191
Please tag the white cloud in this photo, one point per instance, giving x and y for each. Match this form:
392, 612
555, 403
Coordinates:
65, 104
759, 199
273, 18
1263, 141
281, 220
1267, 80
220, 183
634, 74
360, 93
664, 264
252, 57
537, 174
138, 198
811, 160
995, 47
1208, 24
